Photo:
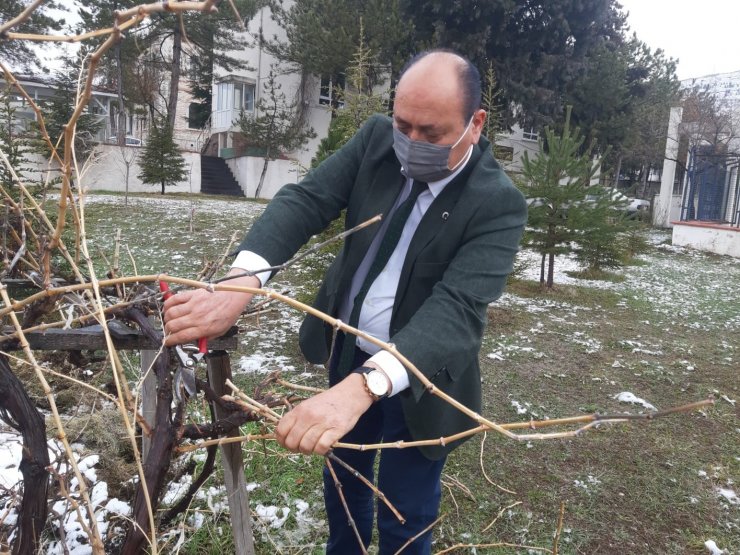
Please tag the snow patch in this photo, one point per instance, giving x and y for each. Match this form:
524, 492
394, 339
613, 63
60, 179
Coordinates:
713, 549
628, 397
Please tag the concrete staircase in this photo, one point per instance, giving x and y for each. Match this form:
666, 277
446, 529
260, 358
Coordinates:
216, 178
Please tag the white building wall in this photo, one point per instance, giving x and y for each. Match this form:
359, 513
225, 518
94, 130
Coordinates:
260, 62
108, 172
519, 144
706, 238
247, 171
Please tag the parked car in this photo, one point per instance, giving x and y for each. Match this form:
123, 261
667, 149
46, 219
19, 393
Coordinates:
632, 206
130, 141
638, 206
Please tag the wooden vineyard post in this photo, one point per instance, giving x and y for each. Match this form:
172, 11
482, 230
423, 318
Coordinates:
219, 370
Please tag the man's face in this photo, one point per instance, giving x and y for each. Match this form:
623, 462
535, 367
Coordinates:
428, 108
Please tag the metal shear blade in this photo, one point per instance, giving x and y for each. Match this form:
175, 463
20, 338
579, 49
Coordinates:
184, 382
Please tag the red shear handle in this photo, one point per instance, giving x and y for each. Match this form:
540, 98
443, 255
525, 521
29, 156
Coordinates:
165, 289
202, 345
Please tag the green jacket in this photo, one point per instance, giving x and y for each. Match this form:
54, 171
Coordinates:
456, 265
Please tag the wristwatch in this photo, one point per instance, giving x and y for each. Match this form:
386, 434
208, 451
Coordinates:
377, 383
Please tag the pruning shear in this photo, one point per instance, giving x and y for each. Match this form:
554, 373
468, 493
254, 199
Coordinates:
188, 356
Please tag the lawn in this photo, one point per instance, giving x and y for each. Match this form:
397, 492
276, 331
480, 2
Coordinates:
668, 333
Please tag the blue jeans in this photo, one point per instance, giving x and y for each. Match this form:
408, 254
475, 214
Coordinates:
409, 480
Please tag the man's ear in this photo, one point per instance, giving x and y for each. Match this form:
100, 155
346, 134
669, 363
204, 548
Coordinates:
479, 118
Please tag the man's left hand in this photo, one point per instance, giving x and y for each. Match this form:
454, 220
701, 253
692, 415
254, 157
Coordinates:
317, 423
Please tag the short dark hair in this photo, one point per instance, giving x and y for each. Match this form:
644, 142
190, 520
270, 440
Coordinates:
468, 75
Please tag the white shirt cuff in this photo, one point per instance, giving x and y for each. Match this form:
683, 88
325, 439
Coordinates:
251, 261
393, 368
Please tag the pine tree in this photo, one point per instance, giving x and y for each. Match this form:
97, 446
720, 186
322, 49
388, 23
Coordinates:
557, 182
491, 103
274, 129
161, 161
59, 110
599, 243
22, 55
13, 143
358, 102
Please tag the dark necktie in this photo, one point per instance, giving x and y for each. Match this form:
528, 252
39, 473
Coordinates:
385, 250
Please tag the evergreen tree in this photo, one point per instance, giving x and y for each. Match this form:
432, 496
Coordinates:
14, 143
20, 54
59, 109
322, 35
358, 102
161, 161
273, 129
538, 49
599, 243
98, 14
623, 101
557, 182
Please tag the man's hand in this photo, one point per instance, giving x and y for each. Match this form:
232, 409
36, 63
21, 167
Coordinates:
190, 315
317, 423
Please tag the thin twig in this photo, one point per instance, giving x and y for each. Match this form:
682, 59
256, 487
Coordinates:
492, 545
223, 441
415, 537
259, 407
379, 494
483, 468
298, 387
501, 512
20, 18
338, 486
559, 529
315, 248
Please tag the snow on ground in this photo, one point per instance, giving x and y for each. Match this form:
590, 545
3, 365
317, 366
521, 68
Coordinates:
75, 538
677, 289
713, 549
678, 285
628, 397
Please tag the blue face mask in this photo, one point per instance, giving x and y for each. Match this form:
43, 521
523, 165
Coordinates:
424, 161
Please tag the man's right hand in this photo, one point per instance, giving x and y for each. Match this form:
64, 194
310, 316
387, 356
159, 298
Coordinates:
190, 315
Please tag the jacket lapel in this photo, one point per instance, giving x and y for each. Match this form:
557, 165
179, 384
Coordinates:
376, 199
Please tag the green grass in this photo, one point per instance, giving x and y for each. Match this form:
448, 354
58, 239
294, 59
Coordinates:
668, 331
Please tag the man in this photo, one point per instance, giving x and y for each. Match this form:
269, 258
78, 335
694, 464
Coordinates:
421, 280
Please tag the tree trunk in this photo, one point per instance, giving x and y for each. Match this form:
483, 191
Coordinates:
551, 270
128, 171
121, 125
262, 178
644, 184
617, 172
162, 187
175, 76
542, 270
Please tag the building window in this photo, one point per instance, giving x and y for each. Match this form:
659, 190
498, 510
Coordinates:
328, 90
504, 153
197, 115
222, 95
244, 97
530, 134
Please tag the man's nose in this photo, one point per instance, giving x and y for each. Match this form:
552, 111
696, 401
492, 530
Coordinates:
414, 135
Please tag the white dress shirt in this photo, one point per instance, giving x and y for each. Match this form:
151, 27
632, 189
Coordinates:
375, 316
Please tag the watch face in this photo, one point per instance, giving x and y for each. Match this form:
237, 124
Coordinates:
377, 383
